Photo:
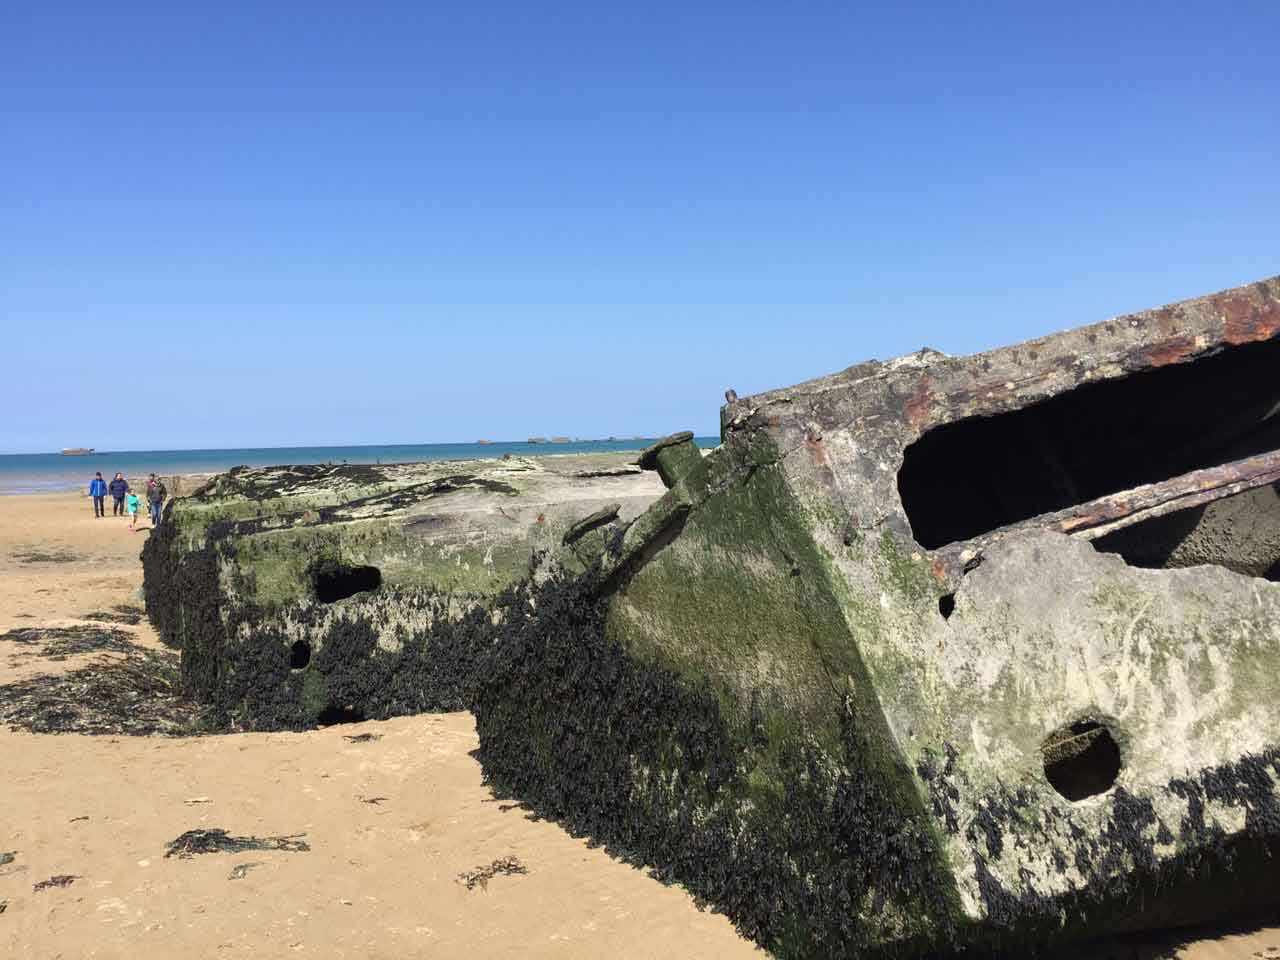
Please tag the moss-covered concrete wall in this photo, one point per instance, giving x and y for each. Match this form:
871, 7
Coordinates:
263, 576
742, 605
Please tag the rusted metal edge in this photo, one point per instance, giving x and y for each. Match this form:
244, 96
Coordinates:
1097, 518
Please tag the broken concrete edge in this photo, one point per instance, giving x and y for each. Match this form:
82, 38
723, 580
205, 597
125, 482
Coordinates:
599, 518
1035, 369
676, 459
648, 458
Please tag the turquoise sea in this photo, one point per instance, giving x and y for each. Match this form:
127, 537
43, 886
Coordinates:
41, 472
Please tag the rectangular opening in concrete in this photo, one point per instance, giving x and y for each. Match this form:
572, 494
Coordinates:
965, 479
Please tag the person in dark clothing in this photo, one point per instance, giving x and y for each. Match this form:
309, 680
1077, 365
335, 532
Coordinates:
156, 493
118, 488
98, 490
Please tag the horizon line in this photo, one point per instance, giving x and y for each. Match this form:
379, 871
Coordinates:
539, 441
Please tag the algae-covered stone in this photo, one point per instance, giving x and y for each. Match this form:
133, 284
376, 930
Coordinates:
883, 680
316, 593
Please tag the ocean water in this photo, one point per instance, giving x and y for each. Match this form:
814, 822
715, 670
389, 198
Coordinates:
44, 472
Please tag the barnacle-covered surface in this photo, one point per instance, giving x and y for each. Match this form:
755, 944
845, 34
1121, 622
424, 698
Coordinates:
843, 683
324, 593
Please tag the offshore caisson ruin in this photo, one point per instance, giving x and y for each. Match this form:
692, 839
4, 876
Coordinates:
929, 655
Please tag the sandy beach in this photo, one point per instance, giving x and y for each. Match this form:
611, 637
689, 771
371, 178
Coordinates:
395, 824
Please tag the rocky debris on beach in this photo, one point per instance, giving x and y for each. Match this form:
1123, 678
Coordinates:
509, 866
304, 595
934, 655
241, 870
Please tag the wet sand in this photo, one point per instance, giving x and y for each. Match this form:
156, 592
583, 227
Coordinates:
391, 822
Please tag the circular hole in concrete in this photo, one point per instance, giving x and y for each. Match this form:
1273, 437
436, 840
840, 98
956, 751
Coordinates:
1081, 759
299, 655
947, 605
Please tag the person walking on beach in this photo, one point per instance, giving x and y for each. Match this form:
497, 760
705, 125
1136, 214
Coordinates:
133, 502
156, 493
98, 490
119, 486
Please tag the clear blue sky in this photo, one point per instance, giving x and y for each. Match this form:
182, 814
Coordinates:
227, 224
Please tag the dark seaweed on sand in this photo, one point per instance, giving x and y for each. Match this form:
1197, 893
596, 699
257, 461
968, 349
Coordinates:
219, 841
61, 880
58, 643
45, 556
137, 695
126, 615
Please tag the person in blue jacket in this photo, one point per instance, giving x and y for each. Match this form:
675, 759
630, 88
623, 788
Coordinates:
118, 487
98, 490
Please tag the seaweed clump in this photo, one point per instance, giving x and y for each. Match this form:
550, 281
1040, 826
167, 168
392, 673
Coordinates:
120, 613
45, 556
217, 840
136, 695
60, 880
59, 643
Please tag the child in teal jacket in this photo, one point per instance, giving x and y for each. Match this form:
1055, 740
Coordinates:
133, 502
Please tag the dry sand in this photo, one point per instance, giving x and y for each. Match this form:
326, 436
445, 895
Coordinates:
391, 823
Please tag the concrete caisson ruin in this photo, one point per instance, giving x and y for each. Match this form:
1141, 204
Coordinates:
941, 653
328, 593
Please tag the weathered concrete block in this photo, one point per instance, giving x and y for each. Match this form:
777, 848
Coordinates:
322, 593
923, 665
675, 458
